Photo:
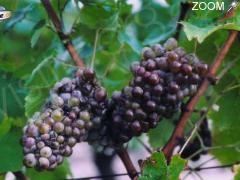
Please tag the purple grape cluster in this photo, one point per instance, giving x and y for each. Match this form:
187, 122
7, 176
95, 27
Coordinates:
162, 80
73, 113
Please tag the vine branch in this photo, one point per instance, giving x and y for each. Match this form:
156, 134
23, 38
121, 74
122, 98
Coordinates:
124, 156
179, 130
65, 39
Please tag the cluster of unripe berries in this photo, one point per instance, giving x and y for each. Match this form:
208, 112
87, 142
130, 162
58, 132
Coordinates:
195, 149
74, 113
164, 77
78, 109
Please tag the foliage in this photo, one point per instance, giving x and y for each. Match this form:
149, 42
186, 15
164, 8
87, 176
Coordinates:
32, 59
156, 167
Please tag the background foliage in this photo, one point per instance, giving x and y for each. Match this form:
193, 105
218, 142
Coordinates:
32, 59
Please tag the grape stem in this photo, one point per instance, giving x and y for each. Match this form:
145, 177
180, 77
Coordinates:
124, 156
179, 130
183, 13
65, 39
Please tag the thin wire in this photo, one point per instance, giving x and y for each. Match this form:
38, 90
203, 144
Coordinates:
207, 161
148, 149
198, 175
101, 176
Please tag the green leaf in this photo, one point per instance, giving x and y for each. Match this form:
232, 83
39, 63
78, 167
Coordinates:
60, 172
155, 167
18, 17
49, 71
12, 96
37, 31
237, 176
40, 24
201, 24
36, 37
70, 16
131, 40
225, 122
5, 126
176, 167
156, 22
11, 152
35, 100
105, 18
201, 33
160, 135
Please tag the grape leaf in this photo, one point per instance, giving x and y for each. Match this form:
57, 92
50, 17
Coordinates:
201, 33
35, 100
156, 167
18, 17
5, 126
237, 176
47, 73
11, 152
176, 167
156, 22
225, 122
105, 18
70, 16
160, 135
131, 40
203, 23
12, 96
35, 37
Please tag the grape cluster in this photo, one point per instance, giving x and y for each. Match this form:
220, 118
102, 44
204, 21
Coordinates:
164, 77
73, 113
195, 145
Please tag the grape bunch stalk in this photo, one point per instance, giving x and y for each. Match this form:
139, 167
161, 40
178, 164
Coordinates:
73, 113
164, 78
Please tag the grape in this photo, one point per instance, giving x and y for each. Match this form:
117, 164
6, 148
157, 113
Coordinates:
75, 110
46, 152
170, 44
158, 49
162, 81
30, 160
148, 53
43, 163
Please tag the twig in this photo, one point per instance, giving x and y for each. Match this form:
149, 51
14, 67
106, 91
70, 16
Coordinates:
65, 39
124, 156
179, 130
183, 13
19, 175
